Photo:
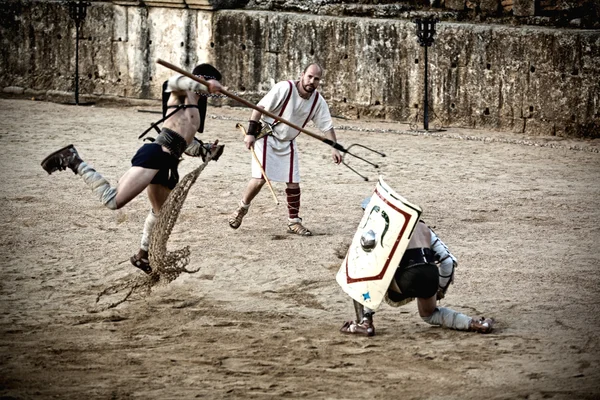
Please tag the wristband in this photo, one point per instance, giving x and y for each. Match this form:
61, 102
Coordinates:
253, 128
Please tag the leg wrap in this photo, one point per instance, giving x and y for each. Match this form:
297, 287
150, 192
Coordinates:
293, 202
148, 227
99, 185
448, 319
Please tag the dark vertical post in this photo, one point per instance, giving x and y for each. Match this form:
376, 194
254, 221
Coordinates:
77, 11
77, 65
426, 97
425, 33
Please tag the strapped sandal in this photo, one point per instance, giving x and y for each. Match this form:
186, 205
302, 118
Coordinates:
235, 220
297, 228
365, 327
141, 263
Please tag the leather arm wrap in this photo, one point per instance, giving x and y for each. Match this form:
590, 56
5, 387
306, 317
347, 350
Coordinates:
195, 148
254, 128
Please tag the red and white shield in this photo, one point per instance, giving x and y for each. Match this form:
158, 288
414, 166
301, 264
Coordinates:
386, 228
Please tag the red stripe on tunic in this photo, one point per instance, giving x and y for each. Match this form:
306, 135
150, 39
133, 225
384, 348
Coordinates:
291, 179
264, 155
287, 99
311, 109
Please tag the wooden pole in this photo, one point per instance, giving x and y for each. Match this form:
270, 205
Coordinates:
262, 171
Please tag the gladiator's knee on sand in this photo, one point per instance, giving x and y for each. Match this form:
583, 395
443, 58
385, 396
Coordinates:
100, 186
448, 318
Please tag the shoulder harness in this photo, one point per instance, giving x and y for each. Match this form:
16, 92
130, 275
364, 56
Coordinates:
201, 106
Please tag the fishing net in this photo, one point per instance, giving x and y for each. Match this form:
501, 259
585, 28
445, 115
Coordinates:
166, 265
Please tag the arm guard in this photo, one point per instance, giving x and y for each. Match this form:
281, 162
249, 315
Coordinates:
446, 260
200, 149
254, 128
180, 82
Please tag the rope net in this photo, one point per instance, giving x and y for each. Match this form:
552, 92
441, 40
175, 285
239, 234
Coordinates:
166, 265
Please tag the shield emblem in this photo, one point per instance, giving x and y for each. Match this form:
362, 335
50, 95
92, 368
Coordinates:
378, 245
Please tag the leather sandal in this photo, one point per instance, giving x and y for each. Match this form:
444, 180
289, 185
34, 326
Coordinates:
235, 220
365, 327
141, 263
298, 229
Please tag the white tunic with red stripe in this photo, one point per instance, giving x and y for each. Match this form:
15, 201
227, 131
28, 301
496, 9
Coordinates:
278, 153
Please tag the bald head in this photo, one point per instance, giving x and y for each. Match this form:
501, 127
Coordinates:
315, 66
310, 79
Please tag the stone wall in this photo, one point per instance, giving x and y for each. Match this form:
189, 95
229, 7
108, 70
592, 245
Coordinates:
554, 13
531, 79
117, 48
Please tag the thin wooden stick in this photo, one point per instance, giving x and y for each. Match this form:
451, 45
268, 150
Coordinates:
262, 171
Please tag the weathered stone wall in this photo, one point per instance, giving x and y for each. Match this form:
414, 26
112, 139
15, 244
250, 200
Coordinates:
537, 80
523, 79
118, 47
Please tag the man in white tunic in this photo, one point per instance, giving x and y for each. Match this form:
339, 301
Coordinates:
297, 102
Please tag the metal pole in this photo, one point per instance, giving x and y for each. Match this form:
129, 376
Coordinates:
426, 97
425, 33
77, 11
77, 64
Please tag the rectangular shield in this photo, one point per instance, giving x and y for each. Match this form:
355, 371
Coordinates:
386, 228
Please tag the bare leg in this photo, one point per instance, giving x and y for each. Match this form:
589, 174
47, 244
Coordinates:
426, 306
252, 189
132, 183
158, 194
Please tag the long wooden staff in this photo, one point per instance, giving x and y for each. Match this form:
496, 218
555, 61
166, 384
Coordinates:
262, 171
330, 142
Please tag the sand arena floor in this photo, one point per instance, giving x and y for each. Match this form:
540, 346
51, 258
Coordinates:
260, 319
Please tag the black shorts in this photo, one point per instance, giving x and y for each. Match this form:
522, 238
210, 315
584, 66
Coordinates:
152, 156
416, 276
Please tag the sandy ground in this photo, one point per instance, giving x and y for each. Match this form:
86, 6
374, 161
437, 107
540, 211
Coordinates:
261, 317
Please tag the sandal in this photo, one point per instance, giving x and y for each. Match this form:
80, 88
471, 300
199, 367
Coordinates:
235, 220
365, 327
297, 228
141, 263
